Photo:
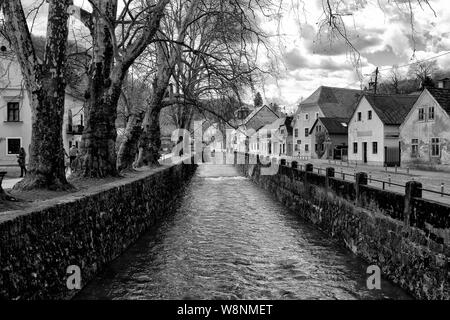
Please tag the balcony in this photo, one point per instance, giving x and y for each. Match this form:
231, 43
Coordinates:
75, 129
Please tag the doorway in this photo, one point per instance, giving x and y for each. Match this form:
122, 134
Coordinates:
365, 152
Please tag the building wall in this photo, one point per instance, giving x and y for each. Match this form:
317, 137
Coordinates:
11, 90
366, 131
424, 131
301, 123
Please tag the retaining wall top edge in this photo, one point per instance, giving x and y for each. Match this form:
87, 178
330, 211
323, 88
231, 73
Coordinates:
81, 194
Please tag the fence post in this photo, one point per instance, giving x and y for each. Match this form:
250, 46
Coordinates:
235, 158
330, 173
283, 162
361, 180
413, 189
309, 168
294, 164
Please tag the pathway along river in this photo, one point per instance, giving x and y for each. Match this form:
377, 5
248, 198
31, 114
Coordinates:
230, 239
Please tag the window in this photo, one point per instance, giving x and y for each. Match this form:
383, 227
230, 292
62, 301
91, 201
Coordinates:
374, 147
421, 114
282, 131
316, 148
355, 147
414, 148
369, 115
435, 147
359, 116
299, 141
306, 147
296, 133
13, 112
306, 116
319, 128
297, 147
306, 132
431, 113
13, 145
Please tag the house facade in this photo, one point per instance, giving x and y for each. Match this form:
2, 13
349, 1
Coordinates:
425, 134
374, 129
325, 102
16, 118
329, 136
240, 138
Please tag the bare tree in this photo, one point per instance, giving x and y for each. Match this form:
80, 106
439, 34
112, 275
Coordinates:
119, 38
45, 83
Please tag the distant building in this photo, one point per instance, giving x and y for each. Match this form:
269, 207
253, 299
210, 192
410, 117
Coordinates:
325, 102
240, 137
329, 136
374, 128
425, 134
443, 83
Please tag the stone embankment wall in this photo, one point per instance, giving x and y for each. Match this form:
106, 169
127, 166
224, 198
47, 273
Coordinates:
406, 236
85, 230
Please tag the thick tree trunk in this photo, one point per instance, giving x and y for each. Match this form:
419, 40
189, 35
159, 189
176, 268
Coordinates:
129, 146
108, 71
46, 89
150, 140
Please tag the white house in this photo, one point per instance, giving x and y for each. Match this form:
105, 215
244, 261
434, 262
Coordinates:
425, 134
15, 114
325, 102
374, 128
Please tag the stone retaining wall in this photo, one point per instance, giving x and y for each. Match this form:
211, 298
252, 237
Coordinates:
411, 247
38, 245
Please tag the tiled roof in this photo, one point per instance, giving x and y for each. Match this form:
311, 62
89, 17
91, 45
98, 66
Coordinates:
392, 109
334, 102
442, 96
333, 125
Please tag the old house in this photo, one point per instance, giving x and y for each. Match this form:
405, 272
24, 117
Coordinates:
274, 139
325, 102
246, 128
329, 136
15, 115
374, 128
425, 134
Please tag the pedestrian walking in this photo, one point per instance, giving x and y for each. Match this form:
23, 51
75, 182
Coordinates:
21, 159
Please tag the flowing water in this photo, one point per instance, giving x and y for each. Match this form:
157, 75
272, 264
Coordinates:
230, 239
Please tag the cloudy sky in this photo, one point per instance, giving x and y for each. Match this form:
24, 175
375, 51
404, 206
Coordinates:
380, 31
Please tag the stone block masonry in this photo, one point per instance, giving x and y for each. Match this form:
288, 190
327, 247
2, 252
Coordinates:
406, 236
89, 231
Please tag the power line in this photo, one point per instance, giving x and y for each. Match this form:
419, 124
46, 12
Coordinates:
413, 63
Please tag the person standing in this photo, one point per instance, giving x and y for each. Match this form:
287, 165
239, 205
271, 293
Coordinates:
21, 159
73, 154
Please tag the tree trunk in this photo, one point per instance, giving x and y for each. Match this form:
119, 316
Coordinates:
129, 146
108, 72
46, 89
150, 140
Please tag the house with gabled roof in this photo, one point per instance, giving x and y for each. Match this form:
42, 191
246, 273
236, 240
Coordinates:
274, 139
374, 128
246, 128
425, 133
329, 136
325, 102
